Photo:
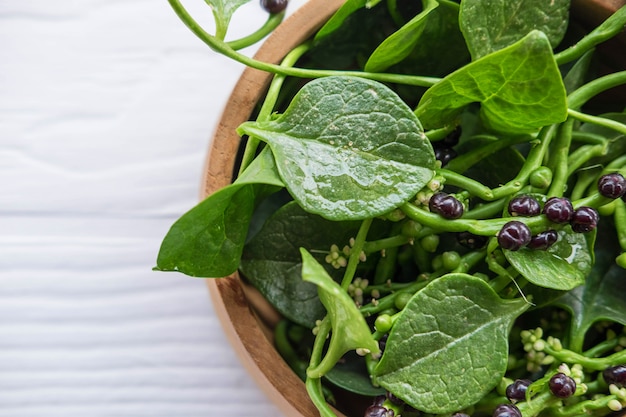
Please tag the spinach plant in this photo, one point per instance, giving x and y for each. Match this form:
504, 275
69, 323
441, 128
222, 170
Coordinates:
446, 232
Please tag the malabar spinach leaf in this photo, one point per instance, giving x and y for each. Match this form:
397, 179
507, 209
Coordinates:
262, 169
562, 266
208, 240
341, 310
337, 19
519, 87
449, 346
222, 12
272, 262
400, 44
489, 26
348, 148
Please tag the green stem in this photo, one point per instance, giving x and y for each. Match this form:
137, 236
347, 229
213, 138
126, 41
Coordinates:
584, 93
486, 211
270, 101
600, 121
314, 385
283, 346
559, 159
441, 133
223, 48
465, 161
619, 217
608, 29
386, 243
270, 24
585, 178
583, 154
589, 138
602, 348
355, 253
583, 408
472, 186
488, 227
597, 364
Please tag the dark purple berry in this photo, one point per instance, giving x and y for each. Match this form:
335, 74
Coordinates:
524, 205
517, 390
612, 185
445, 155
543, 240
558, 209
615, 375
470, 240
514, 235
379, 400
507, 410
585, 219
274, 6
382, 343
460, 415
445, 205
378, 411
562, 386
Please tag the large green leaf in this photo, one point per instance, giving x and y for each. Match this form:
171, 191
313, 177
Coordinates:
208, 240
562, 266
349, 331
492, 25
400, 44
337, 19
519, 87
348, 148
222, 12
272, 262
449, 347
351, 374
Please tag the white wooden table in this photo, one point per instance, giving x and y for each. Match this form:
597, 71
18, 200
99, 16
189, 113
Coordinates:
106, 109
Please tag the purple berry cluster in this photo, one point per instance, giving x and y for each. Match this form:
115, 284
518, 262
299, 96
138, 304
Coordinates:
444, 151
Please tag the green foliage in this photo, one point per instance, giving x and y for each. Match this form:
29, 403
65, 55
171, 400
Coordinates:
222, 13
272, 262
489, 26
449, 346
563, 266
348, 148
519, 88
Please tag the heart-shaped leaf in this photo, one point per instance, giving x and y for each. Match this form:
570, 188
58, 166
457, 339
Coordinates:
449, 347
519, 87
348, 148
492, 25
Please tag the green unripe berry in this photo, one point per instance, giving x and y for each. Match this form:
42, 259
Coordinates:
402, 300
541, 177
430, 243
383, 323
451, 260
437, 263
411, 228
621, 260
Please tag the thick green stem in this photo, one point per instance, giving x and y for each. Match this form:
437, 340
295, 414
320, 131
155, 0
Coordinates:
559, 159
464, 162
597, 364
600, 121
583, 154
314, 385
271, 23
619, 217
355, 253
585, 92
223, 48
472, 186
608, 29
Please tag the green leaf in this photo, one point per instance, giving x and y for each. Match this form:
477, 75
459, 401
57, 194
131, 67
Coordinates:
602, 296
222, 12
351, 374
349, 331
562, 266
449, 347
272, 262
400, 44
337, 19
208, 240
519, 87
262, 169
489, 26
348, 148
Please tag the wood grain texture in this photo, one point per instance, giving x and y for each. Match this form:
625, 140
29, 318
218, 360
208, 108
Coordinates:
106, 111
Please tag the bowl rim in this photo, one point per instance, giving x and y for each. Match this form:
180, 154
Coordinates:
243, 325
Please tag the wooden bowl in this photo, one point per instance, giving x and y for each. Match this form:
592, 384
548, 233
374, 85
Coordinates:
245, 316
